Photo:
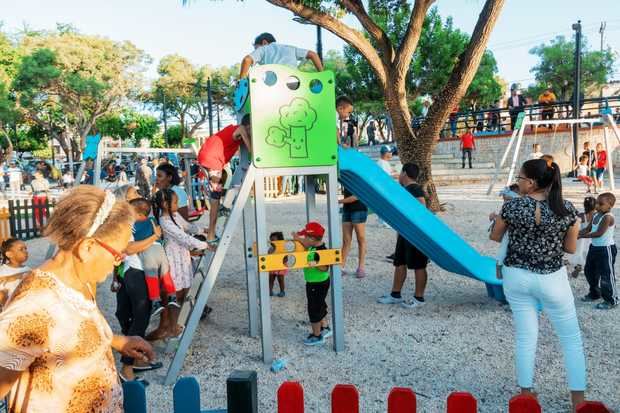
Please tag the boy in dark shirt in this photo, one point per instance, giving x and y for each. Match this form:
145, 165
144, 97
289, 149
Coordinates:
317, 284
407, 256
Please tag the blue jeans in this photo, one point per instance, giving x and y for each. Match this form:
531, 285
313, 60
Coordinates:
524, 290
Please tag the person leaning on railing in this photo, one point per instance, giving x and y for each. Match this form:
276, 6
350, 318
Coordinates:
547, 99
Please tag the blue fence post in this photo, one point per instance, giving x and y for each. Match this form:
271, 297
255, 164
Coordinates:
134, 397
186, 395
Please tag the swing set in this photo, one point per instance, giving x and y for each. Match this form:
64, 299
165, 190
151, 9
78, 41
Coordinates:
523, 121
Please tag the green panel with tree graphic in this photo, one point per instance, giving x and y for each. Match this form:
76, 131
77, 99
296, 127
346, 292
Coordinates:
293, 117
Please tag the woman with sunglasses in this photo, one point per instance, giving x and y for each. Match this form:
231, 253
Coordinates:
542, 227
55, 345
133, 306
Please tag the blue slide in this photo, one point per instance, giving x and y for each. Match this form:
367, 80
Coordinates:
390, 201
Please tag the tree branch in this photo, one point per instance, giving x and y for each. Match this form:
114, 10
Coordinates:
464, 71
356, 7
346, 33
412, 36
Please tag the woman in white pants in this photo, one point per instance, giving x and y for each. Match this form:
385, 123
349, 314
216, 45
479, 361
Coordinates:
542, 227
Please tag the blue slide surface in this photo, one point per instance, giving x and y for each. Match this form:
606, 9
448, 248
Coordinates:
390, 201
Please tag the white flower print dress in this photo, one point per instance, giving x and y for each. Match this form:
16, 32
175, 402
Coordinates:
178, 243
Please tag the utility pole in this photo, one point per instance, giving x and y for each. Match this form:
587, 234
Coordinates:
210, 106
601, 30
217, 111
164, 115
577, 90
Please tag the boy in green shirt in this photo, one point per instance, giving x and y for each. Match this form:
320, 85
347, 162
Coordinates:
317, 283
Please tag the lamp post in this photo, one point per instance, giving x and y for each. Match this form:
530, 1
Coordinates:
164, 116
210, 106
576, 91
319, 39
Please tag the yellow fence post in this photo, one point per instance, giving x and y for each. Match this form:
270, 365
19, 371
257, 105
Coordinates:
5, 228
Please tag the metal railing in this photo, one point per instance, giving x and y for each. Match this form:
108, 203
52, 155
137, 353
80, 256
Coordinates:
493, 121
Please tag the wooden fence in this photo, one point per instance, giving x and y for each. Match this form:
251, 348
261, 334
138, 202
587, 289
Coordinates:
27, 218
5, 227
345, 398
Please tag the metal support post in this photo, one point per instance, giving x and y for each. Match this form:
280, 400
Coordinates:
263, 277
515, 155
502, 161
97, 163
310, 197
612, 183
336, 275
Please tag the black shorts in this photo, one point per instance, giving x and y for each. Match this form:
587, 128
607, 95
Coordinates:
407, 254
316, 293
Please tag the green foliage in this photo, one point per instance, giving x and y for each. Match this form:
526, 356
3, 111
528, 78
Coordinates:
556, 68
438, 51
182, 87
29, 139
128, 124
175, 135
66, 81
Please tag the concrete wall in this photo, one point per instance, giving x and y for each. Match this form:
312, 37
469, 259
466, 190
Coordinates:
559, 145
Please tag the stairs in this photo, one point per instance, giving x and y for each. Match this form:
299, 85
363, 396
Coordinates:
447, 169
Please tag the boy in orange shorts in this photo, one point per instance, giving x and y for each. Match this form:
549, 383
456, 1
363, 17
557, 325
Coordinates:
213, 155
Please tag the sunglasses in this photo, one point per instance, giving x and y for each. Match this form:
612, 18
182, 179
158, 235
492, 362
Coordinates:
118, 256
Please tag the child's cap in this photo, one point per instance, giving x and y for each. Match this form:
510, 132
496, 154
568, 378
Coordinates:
312, 229
385, 149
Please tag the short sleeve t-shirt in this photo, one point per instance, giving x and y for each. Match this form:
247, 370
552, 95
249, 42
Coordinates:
313, 274
181, 196
60, 344
536, 247
601, 160
279, 54
415, 190
386, 166
356, 206
219, 149
467, 141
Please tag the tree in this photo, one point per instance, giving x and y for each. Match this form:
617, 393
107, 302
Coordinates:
182, 87
66, 81
128, 124
556, 68
390, 61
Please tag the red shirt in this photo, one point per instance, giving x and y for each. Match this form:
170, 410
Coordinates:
601, 160
218, 149
467, 141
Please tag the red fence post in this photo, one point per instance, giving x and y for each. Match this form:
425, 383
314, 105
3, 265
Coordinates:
592, 407
401, 400
345, 399
524, 404
462, 402
290, 397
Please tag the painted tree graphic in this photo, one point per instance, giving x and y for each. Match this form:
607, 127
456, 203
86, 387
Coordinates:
296, 119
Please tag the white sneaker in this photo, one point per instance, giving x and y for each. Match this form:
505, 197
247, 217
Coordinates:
388, 299
413, 303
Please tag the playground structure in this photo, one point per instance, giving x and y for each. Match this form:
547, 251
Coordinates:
293, 133
523, 122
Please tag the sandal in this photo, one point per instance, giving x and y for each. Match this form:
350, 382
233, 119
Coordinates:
179, 332
155, 335
149, 367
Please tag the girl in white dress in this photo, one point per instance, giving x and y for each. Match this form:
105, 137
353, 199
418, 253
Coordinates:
178, 245
577, 261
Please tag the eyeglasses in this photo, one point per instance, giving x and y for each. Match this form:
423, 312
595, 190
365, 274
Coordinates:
519, 178
118, 256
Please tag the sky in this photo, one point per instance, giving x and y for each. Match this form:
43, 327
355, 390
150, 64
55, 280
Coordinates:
221, 32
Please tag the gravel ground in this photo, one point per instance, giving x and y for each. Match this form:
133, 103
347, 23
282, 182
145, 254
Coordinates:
460, 340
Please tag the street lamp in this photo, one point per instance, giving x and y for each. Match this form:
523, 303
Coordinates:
319, 41
577, 90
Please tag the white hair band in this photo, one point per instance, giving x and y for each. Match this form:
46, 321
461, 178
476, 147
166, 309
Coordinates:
102, 213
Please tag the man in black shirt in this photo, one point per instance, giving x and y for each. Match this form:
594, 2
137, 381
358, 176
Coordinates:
354, 216
406, 255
